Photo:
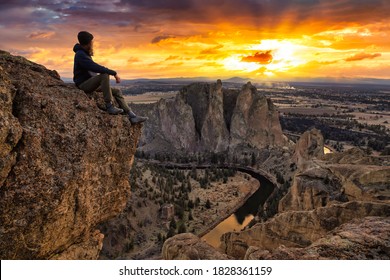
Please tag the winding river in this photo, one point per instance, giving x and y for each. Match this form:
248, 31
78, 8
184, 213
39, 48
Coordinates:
243, 215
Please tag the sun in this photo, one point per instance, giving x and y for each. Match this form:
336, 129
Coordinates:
234, 63
285, 55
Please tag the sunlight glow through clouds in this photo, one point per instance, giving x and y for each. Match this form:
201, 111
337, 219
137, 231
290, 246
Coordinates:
343, 38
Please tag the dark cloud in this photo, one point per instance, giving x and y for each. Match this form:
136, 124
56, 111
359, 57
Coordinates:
262, 13
161, 4
265, 14
29, 16
361, 56
160, 38
259, 57
44, 13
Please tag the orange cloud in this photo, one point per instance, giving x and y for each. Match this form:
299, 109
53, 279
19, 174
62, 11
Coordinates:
172, 57
259, 57
132, 60
361, 56
278, 39
213, 50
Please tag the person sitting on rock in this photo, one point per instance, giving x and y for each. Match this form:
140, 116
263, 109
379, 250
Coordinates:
86, 78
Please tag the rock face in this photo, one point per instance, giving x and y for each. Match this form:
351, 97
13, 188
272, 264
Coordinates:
326, 182
368, 238
255, 120
299, 228
206, 102
64, 165
174, 118
309, 146
325, 194
208, 118
10, 128
312, 188
167, 211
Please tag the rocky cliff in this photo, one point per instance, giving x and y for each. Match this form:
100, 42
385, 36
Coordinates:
366, 238
299, 229
310, 145
338, 207
327, 192
64, 165
209, 118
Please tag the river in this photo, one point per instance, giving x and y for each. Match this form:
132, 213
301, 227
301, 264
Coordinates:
242, 217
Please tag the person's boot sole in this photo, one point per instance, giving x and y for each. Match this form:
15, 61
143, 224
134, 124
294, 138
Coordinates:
135, 122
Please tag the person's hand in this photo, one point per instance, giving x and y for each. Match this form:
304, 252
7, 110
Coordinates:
117, 78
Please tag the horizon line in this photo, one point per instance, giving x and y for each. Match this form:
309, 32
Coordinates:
325, 80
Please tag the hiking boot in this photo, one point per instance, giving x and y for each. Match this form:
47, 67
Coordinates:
112, 110
137, 119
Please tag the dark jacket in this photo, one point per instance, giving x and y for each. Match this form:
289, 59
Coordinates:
83, 65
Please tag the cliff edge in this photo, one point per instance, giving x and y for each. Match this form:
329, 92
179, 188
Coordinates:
64, 164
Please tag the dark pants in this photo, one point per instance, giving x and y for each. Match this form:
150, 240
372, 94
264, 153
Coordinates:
102, 81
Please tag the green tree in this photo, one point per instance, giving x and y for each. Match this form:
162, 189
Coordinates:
190, 217
253, 159
190, 204
182, 228
172, 224
171, 232
197, 201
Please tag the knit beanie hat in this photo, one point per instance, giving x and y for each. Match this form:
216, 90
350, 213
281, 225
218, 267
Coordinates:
84, 37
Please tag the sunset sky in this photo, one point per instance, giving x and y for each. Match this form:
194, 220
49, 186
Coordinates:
260, 39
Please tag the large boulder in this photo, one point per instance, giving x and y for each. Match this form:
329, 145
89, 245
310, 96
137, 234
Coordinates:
187, 246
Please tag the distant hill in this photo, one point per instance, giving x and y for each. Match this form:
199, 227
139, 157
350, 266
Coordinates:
238, 80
